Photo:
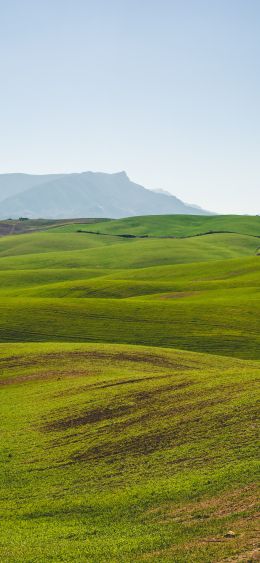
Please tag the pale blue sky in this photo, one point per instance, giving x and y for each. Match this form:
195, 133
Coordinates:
168, 90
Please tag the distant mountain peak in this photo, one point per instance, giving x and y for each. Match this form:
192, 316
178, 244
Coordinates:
86, 194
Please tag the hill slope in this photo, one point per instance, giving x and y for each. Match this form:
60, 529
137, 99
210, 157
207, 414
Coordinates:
175, 225
128, 373
86, 287
88, 194
119, 453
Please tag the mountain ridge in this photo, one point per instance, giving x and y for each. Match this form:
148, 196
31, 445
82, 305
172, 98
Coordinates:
90, 194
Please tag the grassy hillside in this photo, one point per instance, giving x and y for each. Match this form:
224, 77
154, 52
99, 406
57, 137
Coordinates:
128, 371
171, 282
17, 227
46, 250
83, 282
46, 242
174, 225
126, 454
227, 326
101, 291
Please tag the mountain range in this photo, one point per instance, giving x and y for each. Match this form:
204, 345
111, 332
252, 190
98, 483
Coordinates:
86, 194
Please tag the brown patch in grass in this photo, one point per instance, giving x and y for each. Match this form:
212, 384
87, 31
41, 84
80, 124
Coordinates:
143, 407
240, 505
114, 383
43, 376
92, 416
247, 557
178, 433
17, 361
13, 362
143, 444
100, 414
234, 502
144, 357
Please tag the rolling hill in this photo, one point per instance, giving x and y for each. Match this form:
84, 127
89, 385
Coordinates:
174, 225
121, 453
129, 374
72, 286
87, 194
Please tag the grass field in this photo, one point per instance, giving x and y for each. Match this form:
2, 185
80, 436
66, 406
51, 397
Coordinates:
128, 374
118, 453
173, 225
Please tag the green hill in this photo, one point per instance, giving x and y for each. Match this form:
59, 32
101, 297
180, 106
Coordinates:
128, 371
48, 242
24, 225
219, 324
115, 453
174, 225
53, 250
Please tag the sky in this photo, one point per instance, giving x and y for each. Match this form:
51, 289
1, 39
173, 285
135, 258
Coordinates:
167, 90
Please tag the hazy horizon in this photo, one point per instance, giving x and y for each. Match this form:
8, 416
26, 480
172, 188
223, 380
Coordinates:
168, 92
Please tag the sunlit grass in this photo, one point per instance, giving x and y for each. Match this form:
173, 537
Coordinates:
114, 453
120, 442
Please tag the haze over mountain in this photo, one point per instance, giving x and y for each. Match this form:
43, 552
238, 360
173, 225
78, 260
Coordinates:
86, 194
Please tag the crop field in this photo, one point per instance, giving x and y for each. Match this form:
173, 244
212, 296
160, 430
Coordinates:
129, 375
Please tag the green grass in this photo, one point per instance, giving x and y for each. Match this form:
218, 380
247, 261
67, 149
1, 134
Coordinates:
84, 296
227, 326
174, 225
128, 372
116, 453
53, 250
76, 282
46, 242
